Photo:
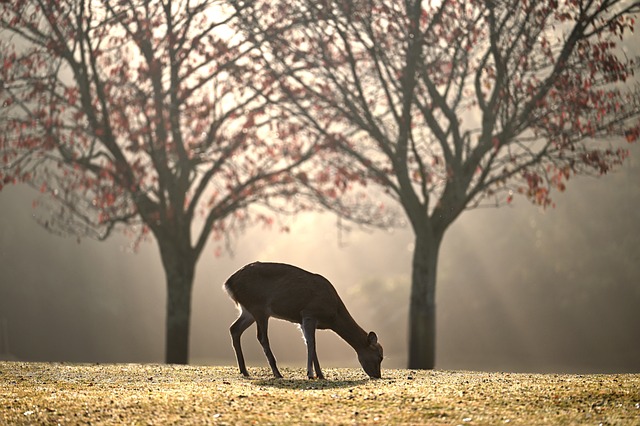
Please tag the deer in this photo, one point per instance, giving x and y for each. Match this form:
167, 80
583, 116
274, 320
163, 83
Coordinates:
286, 292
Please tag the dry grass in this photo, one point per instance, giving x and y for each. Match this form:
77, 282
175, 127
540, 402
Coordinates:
41, 393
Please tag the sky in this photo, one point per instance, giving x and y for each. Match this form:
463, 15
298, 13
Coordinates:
520, 289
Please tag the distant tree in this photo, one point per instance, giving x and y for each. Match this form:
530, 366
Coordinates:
137, 115
449, 105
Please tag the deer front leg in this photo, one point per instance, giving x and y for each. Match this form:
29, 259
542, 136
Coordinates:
263, 338
309, 331
316, 363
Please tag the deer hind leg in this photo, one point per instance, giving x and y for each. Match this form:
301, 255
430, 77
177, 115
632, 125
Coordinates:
262, 323
237, 328
309, 330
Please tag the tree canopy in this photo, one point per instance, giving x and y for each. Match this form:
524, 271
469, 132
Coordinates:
130, 112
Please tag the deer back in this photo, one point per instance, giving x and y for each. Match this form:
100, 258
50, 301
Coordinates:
284, 291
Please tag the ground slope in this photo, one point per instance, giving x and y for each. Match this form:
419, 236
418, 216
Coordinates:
42, 393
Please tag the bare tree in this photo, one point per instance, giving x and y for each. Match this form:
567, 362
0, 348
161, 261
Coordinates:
449, 105
136, 115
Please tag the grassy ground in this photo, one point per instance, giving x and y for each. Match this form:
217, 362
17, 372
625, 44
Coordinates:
39, 393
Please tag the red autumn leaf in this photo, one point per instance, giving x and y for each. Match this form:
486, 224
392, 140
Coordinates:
632, 135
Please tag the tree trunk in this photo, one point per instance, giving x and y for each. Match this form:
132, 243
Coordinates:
179, 269
178, 321
422, 309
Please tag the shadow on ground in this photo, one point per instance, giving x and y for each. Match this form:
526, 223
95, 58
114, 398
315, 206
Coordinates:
307, 384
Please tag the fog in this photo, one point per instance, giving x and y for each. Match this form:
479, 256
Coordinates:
519, 288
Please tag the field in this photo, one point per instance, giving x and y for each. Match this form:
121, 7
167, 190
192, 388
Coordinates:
43, 393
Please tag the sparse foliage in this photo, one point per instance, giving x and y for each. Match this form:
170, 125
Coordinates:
450, 105
137, 115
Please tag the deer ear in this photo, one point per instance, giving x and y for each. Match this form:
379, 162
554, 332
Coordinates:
372, 338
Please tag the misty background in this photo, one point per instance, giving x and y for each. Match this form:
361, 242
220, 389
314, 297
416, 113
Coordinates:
519, 288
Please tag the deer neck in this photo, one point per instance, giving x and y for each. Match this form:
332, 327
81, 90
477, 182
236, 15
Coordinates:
347, 328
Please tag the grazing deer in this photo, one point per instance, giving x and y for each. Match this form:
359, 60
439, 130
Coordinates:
264, 290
